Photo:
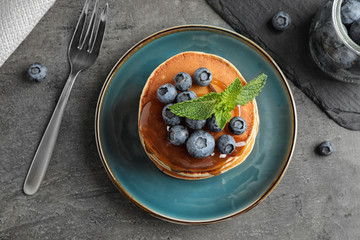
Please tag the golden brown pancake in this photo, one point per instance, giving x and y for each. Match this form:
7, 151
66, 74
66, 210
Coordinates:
175, 160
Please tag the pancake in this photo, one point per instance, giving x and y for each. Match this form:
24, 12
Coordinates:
175, 160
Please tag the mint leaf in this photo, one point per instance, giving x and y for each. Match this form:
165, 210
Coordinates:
251, 90
199, 108
222, 118
231, 93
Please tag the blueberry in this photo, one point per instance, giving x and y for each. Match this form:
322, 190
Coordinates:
343, 57
202, 76
281, 21
354, 32
166, 93
326, 62
336, 52
37, 72
183, 81
237, 125
195, 124
185, 96
226, 144
212, 124
200, 144
350, 11
327, 37
169, 117
178, 134
325, 148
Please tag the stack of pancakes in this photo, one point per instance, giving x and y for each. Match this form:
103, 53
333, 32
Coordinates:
174, 160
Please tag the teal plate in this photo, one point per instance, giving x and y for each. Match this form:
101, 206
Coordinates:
198, 201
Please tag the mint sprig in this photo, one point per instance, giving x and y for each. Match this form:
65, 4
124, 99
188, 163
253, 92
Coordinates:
220, 104
251, 90
198, 108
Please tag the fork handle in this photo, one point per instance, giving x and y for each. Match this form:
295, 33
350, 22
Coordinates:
45, 149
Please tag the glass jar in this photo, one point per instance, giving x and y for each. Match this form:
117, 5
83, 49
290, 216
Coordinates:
331, 47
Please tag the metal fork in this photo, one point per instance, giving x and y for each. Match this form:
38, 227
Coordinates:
83, 50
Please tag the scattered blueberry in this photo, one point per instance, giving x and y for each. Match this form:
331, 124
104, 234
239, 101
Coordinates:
200, 144
226, 144
37, 72
281, 21
350, 11
185, 96
170, 118
212, 124
195, 124
202, 76
354, 32
178, 134
166, 93
183, 81
237, 125
325, 148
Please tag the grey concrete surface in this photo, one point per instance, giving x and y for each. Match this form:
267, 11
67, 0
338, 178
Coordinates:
318, 197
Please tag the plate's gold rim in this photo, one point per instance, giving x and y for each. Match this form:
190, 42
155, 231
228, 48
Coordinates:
160, 34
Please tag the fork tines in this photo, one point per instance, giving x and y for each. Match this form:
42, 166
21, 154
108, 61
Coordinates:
89, 38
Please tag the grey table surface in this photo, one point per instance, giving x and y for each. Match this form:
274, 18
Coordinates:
318, 198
